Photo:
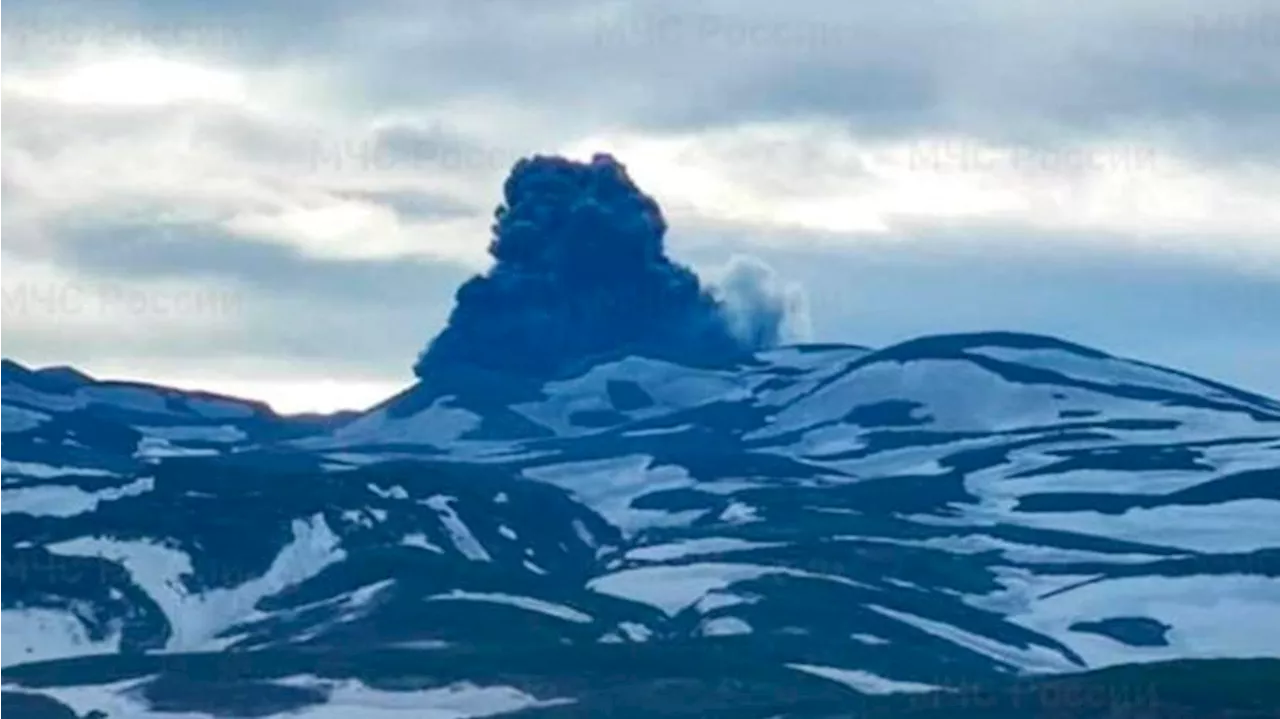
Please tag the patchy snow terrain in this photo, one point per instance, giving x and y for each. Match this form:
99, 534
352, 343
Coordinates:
838, 521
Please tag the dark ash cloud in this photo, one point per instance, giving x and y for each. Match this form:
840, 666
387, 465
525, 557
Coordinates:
581, 270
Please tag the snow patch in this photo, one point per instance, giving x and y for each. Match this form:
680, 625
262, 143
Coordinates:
438, 426
724, 627
865, 682
17, 419
419, 540
58, 501
534, 605
49, 471
35, 635
1032, 658
195, 620
676, 588
1209, 617
609, 486
461, 535
181, 433
696, 547
346, 699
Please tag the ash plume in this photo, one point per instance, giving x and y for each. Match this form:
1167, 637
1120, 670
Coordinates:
580, 270
762, 310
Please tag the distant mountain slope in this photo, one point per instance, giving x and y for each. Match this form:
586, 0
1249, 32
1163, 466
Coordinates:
822, 522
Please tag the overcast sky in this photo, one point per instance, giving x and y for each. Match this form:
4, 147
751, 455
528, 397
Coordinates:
278, 198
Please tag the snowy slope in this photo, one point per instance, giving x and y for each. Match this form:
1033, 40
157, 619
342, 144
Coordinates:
840, 521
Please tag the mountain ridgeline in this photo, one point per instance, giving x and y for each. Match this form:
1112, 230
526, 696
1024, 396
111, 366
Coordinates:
584, 508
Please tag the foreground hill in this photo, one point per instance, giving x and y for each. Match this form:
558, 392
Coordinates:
797, 534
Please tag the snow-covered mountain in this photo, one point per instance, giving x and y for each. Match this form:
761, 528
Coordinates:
777, 537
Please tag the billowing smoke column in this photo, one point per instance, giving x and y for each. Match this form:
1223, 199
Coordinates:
580, 271
762, 310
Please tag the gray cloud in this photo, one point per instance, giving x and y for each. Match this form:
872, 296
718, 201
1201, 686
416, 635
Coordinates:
406, 116
1157, 307
1014, 72
262, 299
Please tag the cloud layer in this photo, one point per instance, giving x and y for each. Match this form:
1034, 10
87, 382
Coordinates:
1106, 173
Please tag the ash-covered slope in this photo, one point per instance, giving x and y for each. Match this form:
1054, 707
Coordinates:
667, 518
